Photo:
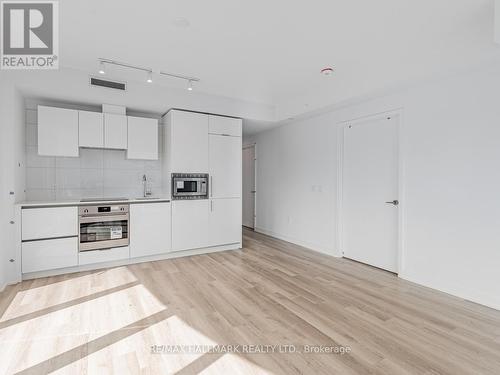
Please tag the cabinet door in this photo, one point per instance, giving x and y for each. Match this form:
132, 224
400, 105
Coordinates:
49, 254
49, 222
224, 125
91, 129
225, 166
57, 131
115, 131
190, 224
225, 221
189, 142
106, 255
150, 229
142, 138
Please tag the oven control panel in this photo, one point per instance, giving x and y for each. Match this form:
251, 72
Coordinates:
103, 210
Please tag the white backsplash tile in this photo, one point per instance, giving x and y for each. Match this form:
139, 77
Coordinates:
40, 194
68, 194
40, 178
91, 178
31, 116
31, 135
122, 192
91, 158
122, 178
68, 178
116, 159
33, 160
70, 163
92, 193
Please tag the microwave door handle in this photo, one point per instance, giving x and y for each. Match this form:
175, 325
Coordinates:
211, 186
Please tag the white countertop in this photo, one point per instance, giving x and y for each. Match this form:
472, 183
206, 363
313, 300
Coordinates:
27, 204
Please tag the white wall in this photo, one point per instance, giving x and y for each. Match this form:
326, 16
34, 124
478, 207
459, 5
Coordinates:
451, 151
12, 172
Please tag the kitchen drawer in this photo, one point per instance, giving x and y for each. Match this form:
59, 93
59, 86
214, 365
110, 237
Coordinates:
106, 255
52, 222
49, 254
224, 125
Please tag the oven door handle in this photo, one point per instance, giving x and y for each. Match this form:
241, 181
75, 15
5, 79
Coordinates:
104, 218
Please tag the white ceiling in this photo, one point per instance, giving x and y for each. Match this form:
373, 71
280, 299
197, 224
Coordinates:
271, 52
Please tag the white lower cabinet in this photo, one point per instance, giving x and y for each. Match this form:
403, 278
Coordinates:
104, 255
190, 224
150, 229
45, 255
225, 221
49, 222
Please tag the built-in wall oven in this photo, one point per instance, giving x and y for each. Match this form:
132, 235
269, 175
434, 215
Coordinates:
103, 227
189, 186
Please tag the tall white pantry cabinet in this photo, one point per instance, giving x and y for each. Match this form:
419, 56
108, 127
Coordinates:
203, 143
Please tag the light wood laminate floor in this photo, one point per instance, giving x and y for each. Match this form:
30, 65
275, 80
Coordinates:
269, 293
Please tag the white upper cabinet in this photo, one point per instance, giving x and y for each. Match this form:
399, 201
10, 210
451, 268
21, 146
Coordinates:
142, 138
115, 131
57, 131
224, 125
225, 166
189, 142
91, 129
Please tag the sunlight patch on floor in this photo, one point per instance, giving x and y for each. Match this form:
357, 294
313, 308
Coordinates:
40, 338
133, 354
41, 296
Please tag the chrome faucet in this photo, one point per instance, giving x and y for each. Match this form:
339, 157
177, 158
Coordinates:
147, 188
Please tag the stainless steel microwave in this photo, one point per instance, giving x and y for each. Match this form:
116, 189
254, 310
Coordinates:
189, 186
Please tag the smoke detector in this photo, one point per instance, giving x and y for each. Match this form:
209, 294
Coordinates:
327, 71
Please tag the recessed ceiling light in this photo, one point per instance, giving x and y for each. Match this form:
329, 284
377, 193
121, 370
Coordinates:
327, 71
181, 22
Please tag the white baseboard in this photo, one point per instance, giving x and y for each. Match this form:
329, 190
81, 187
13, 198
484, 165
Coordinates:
309, 245
487, 300
125, 262
492, 301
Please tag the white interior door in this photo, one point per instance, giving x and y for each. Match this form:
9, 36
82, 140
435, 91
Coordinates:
369, 181
249, 186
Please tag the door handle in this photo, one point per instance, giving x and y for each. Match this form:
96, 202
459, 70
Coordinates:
253, 191
211, 186
394, 202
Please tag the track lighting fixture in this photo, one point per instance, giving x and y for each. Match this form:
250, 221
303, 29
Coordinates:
149, 72
102, 68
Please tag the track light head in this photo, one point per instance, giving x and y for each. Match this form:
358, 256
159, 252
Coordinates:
190, 85
150, 77
102, 68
